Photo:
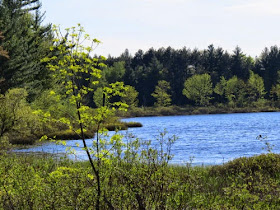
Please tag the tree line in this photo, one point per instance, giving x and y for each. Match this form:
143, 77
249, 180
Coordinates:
146, 70
159, 77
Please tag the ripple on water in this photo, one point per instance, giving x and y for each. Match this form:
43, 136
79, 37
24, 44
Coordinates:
210, 139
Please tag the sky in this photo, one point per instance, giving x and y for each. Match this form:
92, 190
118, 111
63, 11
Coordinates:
142, 24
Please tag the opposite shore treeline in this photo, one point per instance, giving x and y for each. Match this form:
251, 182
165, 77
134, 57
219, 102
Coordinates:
24, 41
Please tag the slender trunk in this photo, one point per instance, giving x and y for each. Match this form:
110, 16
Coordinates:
98, 163
96, 172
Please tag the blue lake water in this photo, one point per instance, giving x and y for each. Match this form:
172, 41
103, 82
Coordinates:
203, 139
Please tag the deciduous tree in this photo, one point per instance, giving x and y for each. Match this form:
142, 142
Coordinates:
74, 67
199, 89
16, 117
256, 89
130, 97
161, 94
235, 92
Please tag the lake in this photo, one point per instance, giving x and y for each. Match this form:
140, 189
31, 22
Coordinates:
202, 139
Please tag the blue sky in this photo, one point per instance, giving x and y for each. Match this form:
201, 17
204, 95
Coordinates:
142, 24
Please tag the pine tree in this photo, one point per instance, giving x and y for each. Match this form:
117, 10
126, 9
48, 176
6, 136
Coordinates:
3, 56
27, 42
3, 53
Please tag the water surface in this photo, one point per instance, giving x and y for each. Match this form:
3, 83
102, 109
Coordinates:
203, 139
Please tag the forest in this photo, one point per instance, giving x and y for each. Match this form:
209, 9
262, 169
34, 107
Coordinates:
161, 77
52, 88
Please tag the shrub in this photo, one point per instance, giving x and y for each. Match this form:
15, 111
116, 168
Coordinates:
265, 163
17, 120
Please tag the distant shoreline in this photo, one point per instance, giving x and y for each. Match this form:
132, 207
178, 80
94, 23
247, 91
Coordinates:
176, 110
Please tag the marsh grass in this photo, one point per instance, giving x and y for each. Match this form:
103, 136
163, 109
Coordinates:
40, 182
66, 134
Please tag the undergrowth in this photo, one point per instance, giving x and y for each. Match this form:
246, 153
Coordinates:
42, 182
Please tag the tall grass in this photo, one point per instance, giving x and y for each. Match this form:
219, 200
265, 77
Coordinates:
41, 182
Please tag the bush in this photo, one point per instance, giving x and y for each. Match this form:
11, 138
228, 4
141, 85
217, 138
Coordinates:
145, 181
265, 163
16, 116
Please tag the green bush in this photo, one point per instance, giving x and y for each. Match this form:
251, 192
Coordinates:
17, 120
265, 163
145, 181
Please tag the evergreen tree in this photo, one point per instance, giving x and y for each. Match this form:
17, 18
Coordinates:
240, 64
145, 75
3, 53
216, 63
178, 74
145, 69
27, 42
3, 57
268, 65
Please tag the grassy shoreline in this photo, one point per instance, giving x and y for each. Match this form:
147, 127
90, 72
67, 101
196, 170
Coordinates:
71, 135
188, 110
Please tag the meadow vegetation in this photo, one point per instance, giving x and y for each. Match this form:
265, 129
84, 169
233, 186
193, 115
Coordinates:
42, 182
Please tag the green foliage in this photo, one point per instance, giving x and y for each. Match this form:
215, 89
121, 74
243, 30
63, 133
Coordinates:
114, 92
240, 64
199, 89
139, 181
3, 53
79, 74
240, 94
161, 94
256, 89
115, 73
17, 120
221, 87
98, 97
265, 163
144, 69
52, 102
268, 66
27, 41
130, 97
235, 92
5, 144
275, 92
